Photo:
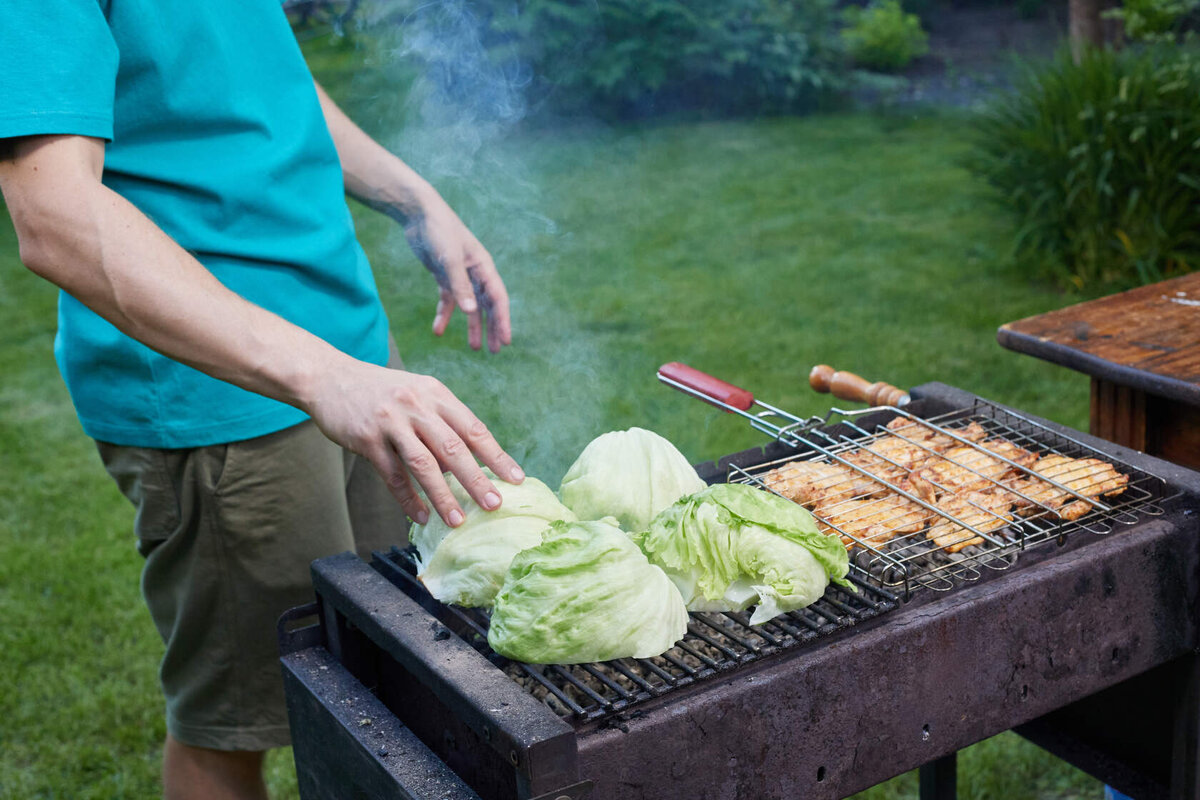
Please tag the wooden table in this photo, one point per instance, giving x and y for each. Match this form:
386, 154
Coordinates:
1142, 351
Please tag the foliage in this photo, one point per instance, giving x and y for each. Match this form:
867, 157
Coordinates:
624, 58
1154, 20
1100, 161
883, 36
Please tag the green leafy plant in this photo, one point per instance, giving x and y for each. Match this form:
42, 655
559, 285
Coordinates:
1154, 20
1100, 162
624, 58
883, 36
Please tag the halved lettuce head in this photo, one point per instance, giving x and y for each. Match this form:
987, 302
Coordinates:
631, 475
586, 593
730, 546
467, 564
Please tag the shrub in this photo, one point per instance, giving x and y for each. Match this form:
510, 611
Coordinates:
883, 36
1154, 20
637, 57
1100, 161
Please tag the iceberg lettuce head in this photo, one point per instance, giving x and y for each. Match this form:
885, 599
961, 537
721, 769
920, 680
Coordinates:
730, 546
631, 475
467, 564
586, 593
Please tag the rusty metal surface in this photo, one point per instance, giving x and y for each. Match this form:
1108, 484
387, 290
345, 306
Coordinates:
929, 679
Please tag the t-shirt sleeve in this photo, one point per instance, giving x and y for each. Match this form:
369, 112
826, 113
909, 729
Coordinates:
58, 63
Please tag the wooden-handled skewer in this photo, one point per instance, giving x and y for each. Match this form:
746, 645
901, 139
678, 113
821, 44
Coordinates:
848, 386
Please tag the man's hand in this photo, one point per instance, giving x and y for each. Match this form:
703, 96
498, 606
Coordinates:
465, 273
466, 276
411, 426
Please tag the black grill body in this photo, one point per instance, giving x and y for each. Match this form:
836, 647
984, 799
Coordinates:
1086, 645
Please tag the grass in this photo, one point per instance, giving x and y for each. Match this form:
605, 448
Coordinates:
749, 249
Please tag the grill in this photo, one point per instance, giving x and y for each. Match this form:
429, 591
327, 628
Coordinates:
394, 695
714, 644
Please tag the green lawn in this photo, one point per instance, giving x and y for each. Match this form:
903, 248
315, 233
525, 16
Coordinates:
749, 249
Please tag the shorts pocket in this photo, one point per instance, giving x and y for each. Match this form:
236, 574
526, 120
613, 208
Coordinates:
147, 479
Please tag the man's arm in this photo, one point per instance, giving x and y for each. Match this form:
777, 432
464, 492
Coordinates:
466, 275
94, 244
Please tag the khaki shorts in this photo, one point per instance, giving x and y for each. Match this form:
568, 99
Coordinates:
228, 533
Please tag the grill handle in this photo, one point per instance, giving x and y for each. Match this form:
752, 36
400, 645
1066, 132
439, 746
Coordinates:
848, 386
705, 384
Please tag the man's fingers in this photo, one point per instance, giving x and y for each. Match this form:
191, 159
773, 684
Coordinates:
457, 457
493, 334
474, 330
495, 300
425, 469
479, 440
460, 283
395, 476
445, 310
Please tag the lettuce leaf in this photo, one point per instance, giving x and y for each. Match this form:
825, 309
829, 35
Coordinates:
586, 593
631, 475
730, 546
466, 565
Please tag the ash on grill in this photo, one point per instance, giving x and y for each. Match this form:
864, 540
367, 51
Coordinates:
715, 643
927, 502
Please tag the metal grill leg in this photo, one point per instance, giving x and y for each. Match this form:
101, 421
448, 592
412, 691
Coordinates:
1185, 763
939, 779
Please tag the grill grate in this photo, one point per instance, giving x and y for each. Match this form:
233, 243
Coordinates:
896, 550
714, 644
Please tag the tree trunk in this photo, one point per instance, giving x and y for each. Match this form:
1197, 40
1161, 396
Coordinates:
1087, 28
1083, 24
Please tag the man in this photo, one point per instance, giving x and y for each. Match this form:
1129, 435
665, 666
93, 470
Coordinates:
171, 165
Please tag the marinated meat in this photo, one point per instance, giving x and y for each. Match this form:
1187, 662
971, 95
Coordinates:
810, 483
964, 469
873, 521
1089, 477
932, 437
890, 457
984, 511
968, 469
978, 484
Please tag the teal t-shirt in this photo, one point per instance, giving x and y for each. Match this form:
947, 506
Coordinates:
216, 134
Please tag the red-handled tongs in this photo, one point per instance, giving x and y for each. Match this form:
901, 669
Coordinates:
734, 399
765, 417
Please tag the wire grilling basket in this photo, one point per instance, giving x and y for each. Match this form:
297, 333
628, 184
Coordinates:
928, 502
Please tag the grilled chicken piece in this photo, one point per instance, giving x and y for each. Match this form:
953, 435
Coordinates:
1089, 477
969, 469
931, 437
1014, 453
964, 469
984, 511
810, 483
890, 458
873, 521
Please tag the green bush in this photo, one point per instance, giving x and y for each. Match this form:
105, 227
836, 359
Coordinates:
883, 36
1100, 161
1154, 20
638, 57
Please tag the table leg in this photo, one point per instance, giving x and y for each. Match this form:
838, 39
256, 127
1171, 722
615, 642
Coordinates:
939, 779
1118, 414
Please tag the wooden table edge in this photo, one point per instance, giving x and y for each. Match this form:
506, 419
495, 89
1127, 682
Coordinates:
1097, 367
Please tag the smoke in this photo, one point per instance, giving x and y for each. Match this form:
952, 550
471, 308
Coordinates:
459, 124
